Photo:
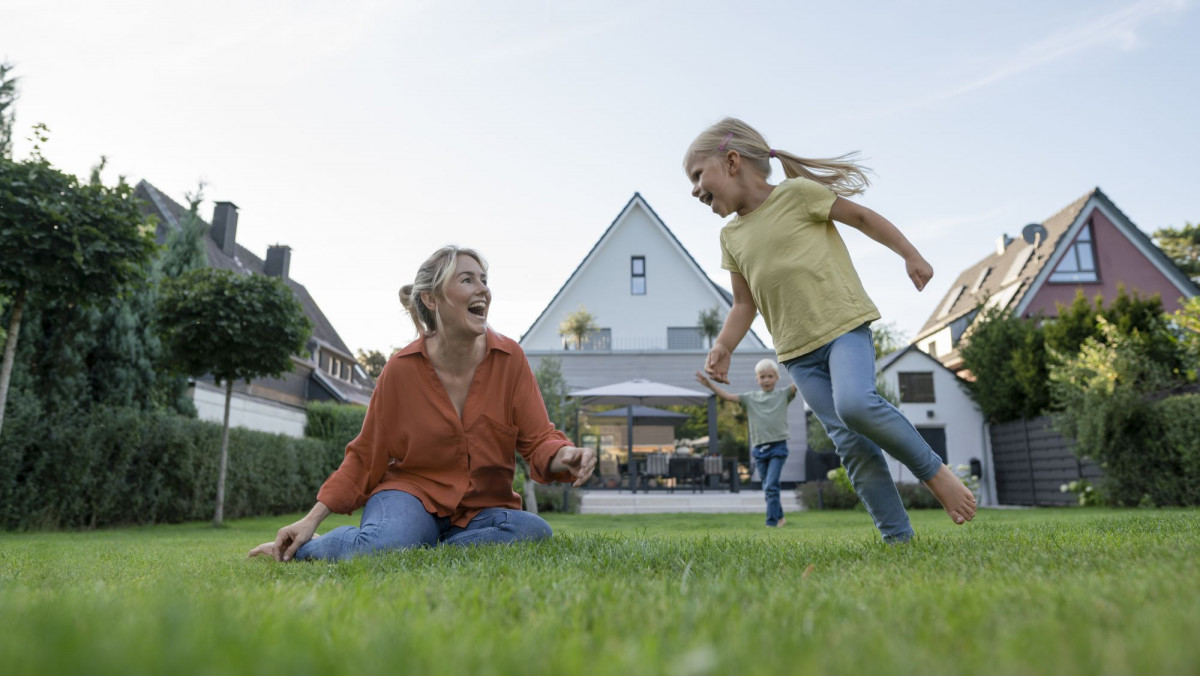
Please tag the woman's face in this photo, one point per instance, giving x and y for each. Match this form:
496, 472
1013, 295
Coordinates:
466, 298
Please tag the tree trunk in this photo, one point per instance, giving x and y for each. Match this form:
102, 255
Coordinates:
219, 515
530, 496
10, 350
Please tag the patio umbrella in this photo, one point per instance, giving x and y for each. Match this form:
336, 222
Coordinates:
638, 392
645, 415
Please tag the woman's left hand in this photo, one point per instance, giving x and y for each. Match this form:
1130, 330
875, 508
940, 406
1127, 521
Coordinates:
580, 462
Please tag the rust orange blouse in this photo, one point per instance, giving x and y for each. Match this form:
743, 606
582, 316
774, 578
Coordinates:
413, 440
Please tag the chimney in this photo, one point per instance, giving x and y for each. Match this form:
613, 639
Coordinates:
224, 226
1001, 243
279, 259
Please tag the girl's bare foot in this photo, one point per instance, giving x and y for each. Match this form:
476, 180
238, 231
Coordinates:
958, 500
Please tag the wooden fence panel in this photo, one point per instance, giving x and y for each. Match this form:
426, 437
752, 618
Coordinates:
1032, 461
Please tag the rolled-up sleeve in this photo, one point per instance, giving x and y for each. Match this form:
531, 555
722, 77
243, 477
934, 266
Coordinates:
537, 439
367, 456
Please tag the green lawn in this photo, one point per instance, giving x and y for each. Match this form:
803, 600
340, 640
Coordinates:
1068, 591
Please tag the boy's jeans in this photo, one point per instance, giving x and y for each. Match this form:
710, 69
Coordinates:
768, 470
838, 382
397, 520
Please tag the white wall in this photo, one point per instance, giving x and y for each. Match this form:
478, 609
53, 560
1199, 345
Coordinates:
245, 411
676, 290
953, 410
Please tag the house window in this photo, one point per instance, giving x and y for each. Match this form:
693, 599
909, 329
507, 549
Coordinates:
931, 348
598, 341
916, 388
685, 338
950, 301
1078, 263
979, 280
637, 271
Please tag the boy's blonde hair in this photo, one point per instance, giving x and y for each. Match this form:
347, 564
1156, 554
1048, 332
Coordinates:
433, 276
843, 175
766, 365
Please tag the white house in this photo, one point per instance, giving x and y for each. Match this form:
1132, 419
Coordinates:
647, 292
935, 399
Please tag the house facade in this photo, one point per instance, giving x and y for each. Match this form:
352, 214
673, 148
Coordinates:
328, 371
935, 399
646, 293
1089, 246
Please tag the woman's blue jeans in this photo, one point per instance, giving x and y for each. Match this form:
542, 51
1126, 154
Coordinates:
837, 380
393, 520
768, 470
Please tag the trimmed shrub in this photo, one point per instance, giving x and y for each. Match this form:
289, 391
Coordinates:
119, 466
335, 423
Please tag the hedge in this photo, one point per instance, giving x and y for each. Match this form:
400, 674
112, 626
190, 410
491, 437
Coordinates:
120, 466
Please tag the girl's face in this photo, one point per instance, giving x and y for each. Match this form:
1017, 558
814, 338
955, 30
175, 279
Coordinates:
463, 307
713, 184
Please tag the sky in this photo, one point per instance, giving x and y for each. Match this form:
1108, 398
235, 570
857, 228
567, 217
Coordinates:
365, 135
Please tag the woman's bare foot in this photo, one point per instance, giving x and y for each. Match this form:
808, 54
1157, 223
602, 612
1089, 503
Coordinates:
958, 500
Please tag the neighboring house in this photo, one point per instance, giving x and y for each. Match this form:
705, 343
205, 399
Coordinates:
1090, 246
646, 293
328, 372
935, 399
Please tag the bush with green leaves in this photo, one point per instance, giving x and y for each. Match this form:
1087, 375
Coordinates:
338, 424
123, 466
1110, 404
1007, 357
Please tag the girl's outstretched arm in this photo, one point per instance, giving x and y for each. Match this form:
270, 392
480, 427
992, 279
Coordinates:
881, 230
737, 323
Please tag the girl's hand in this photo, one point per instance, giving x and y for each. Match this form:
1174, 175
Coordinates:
717, 363
919, 271
580, 462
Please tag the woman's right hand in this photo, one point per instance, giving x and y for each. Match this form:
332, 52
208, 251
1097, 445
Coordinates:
717, 363
287, 540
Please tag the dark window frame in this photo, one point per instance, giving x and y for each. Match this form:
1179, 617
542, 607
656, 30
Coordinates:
1080, 275
916, 387
635, 276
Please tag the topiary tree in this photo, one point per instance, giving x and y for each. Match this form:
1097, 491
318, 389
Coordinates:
64, 242
578, 325
709, 323
236, 327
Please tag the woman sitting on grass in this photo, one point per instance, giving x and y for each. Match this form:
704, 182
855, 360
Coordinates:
435, 459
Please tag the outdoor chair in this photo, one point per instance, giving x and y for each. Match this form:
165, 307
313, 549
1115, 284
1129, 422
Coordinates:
656, 467
686, 469
712, 468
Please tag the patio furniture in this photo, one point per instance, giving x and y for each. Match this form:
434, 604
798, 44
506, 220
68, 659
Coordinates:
656, 467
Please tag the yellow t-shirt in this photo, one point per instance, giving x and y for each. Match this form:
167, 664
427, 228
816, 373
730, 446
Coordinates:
798, 268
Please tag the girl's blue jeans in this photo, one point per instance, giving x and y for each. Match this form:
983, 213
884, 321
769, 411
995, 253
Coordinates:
837, 380
393, 520
768, 470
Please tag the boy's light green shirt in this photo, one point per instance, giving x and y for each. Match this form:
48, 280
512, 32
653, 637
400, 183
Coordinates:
767, 413
798, 268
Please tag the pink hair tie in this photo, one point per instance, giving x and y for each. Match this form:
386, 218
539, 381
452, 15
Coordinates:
772, 152
725, 142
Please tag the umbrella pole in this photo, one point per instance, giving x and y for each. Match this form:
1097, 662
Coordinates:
629, 457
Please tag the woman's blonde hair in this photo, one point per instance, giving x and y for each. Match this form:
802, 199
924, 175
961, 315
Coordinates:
843, 175
433, 276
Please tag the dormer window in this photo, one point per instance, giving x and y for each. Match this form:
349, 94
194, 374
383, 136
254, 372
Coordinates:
637, 279
1078, 263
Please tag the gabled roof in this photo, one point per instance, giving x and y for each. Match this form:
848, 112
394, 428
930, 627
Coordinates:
168, 212
1011, 278
722, 294
885, 362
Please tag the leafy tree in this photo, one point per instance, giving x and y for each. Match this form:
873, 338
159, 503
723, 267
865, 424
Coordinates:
63, 244
1182, 246
709, 323
1186, 321
578, 325
236, 327
887, 339
559, 407
372, 362
1006, 356
1127, 314
8, 113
